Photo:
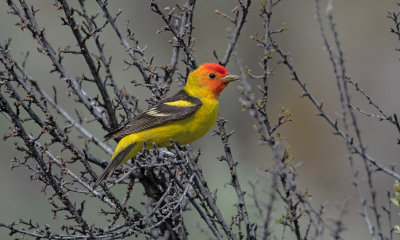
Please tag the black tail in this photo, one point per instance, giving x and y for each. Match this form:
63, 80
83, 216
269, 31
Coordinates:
115, 162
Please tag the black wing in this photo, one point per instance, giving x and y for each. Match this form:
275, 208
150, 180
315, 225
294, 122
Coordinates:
159, 115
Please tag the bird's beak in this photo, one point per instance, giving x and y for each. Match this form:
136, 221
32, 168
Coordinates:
230, 78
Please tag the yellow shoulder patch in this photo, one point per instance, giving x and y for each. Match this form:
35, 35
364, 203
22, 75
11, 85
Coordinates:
180, 103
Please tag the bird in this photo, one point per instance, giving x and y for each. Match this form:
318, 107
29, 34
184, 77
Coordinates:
182, 118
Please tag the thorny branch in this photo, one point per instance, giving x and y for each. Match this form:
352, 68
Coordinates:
239, 25
168, 179
242, 209
58, 148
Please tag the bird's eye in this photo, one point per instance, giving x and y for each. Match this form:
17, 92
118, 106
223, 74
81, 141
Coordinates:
212, 75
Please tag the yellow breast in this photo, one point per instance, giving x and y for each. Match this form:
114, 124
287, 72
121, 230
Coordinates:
182, 132
186, 130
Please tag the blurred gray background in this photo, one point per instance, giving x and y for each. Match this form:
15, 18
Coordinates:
370, 59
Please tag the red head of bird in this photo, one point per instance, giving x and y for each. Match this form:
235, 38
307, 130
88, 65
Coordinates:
209, 80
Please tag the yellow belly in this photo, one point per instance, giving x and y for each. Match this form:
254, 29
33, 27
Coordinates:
182, 132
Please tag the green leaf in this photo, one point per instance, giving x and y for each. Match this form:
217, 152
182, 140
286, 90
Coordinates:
397, 229
284, 26
395, 201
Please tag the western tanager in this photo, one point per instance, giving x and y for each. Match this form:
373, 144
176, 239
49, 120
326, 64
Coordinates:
182, 118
